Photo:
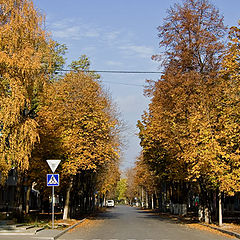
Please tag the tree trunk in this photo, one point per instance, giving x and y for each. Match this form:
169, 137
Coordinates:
206, 215
66, 206
28, 199
157, 199
104, 200
220, 209
142, 198
153, 202
19, 198
200, 213
146, 199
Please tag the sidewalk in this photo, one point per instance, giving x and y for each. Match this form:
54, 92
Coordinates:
50, 234
10, 231
226, 228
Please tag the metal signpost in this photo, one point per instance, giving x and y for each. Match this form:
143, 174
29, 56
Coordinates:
52, 181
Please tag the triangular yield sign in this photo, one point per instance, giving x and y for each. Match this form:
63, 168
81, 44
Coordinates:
53, 164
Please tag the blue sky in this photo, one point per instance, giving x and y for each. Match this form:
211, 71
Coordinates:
118, 35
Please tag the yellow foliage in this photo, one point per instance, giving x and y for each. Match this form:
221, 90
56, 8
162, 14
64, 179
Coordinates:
78, 113
24, 45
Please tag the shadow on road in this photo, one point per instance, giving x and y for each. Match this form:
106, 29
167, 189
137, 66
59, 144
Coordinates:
107, 215
126, 212
167, 217
153, 215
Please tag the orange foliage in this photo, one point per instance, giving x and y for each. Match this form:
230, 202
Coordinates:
24, 45
77, 113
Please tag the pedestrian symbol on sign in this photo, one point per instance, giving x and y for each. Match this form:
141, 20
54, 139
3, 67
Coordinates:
52, 179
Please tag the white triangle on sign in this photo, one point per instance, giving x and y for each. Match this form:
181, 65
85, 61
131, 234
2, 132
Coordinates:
53, 164
53, 180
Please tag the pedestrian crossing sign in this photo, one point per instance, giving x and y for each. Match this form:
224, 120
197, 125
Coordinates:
52, 180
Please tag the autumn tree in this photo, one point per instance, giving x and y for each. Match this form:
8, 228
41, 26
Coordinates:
107, 181
130, 185
25, 48
79, 117
226, 170
192, 36
213, 150
143, 181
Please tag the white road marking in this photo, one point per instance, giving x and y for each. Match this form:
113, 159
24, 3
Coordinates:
50, 238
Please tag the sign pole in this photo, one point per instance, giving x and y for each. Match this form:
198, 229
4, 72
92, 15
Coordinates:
53, 207
53, 180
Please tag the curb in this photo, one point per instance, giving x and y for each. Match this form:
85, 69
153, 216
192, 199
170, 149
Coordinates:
237, 235
39, 229
66, 230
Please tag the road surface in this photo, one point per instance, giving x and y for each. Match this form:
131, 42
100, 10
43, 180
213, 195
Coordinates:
127, 223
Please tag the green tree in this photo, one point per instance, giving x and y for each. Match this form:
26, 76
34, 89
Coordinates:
121, 190
83, 65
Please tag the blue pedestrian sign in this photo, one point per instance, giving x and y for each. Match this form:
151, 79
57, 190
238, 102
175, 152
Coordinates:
52, 180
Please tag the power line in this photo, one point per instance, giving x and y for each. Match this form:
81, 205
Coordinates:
117, 72
92, 71
114, 71
127, 84
106, 71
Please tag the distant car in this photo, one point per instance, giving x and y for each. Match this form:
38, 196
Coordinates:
110, 203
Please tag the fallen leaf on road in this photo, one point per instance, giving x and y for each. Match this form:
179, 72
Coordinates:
88, 224
204, 228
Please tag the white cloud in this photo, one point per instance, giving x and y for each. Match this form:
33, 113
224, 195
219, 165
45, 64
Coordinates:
74, 29
113, 63
112, 35
91, 33
132, 104
141, 51
68, 32
89, 49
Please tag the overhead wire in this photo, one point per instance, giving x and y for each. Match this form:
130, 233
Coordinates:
117, 72
127, 84
107, 71
114, 71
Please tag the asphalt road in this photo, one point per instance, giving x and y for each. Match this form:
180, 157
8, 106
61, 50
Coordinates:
127, 223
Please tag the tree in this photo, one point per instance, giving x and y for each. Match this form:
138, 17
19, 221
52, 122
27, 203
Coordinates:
192, 35
83, 65
121, 190
216, 127
22, 42
179, 132
28, 59
107, 180
131, 187
78, 116
142, 178
25, 47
